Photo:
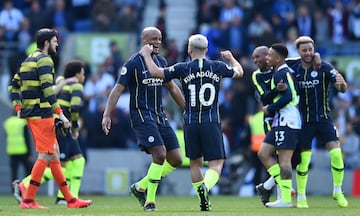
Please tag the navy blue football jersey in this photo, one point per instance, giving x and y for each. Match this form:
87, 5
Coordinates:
200, 80
262, 84
313, 89
145, 90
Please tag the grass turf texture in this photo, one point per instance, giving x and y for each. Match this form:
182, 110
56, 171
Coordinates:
178, 205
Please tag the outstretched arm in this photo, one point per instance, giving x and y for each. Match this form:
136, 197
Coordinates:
227, 55
154, 70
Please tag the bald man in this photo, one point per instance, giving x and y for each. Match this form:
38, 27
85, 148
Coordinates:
261, 79
148, 119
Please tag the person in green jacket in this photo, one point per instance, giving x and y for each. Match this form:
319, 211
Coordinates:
18, 145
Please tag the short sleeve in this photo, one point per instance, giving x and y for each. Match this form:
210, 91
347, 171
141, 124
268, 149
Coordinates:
125, 73
330, 72
224, 69
174, 72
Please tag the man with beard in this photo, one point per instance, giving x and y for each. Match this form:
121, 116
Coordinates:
70, 95
313, 90
33, 97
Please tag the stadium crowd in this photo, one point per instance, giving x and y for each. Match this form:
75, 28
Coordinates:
237, 25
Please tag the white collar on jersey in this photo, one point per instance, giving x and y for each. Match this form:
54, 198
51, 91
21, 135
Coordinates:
283, 66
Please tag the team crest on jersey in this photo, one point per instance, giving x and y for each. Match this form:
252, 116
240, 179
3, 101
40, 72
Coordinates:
333, 72
151, 139
123, 71
314, 74
171, 69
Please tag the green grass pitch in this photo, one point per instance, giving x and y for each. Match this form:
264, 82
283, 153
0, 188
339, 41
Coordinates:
179, 205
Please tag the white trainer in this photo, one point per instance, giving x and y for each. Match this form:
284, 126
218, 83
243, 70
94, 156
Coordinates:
279, 204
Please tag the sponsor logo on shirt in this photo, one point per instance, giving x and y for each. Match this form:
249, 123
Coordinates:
153, 81
314, 74
309, 83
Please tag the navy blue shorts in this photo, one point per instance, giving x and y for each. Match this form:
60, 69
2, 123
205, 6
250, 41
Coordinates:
323, 131
283, 137
204, 140
151, 134
68, 146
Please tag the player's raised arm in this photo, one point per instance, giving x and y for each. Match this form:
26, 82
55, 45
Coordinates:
227, 55
154, 70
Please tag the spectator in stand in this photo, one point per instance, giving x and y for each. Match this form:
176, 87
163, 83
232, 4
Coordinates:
96, 91
292, 34
2, 34
348, 4
256, 29
82, 20
24, 37
231, 24
172, 52
264, 7
279, 27
35, 16
355, 110
109, 67
128, 19
304, 21
208, 11
311, 4
18, 145
351, 148
116, 56
258, 26
161, 22
213, 33
10, 20
338, 18
286, 10
58, 17
98, 88
354, 21
321, 26
226, 110
104, 16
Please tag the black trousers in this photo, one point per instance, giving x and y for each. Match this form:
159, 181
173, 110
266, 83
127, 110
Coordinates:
16, 161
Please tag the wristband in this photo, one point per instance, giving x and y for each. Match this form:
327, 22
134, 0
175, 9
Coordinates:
58, 110
17, 108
